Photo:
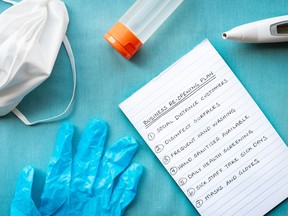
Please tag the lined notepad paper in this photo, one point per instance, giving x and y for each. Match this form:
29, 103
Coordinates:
211, 136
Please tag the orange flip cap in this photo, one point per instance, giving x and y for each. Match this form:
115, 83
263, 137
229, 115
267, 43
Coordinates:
123, 40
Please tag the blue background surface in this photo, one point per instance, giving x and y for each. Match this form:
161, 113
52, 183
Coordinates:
105, 79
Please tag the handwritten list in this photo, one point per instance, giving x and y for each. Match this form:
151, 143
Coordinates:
211, 136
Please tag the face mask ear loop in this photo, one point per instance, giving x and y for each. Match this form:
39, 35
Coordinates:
10, 2
73, 67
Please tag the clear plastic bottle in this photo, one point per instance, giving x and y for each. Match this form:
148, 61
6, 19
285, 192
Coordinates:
137, 25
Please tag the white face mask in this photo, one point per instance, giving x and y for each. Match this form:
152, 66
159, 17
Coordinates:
31, 34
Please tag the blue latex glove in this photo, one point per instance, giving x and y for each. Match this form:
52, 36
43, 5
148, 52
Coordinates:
84, 185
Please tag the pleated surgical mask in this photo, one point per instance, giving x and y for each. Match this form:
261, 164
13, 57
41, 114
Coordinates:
31, 34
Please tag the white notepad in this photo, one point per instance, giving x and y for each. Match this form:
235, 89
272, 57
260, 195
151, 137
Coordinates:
211, 136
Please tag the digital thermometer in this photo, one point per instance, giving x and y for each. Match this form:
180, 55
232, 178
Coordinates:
264, 31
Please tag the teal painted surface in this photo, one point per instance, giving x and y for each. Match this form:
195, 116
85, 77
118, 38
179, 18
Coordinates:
105, 79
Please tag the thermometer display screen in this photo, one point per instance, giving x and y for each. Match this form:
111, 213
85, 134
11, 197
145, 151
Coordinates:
282, 28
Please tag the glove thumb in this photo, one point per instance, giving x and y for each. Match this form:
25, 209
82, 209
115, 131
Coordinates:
22, 204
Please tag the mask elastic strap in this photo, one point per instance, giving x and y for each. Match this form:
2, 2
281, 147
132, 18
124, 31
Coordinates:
73, 67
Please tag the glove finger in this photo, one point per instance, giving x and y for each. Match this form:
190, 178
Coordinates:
115, 160
22, 203
88, 155
59, 171
126, 189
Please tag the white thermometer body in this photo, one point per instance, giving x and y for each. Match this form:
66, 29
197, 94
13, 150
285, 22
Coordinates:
263, 31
